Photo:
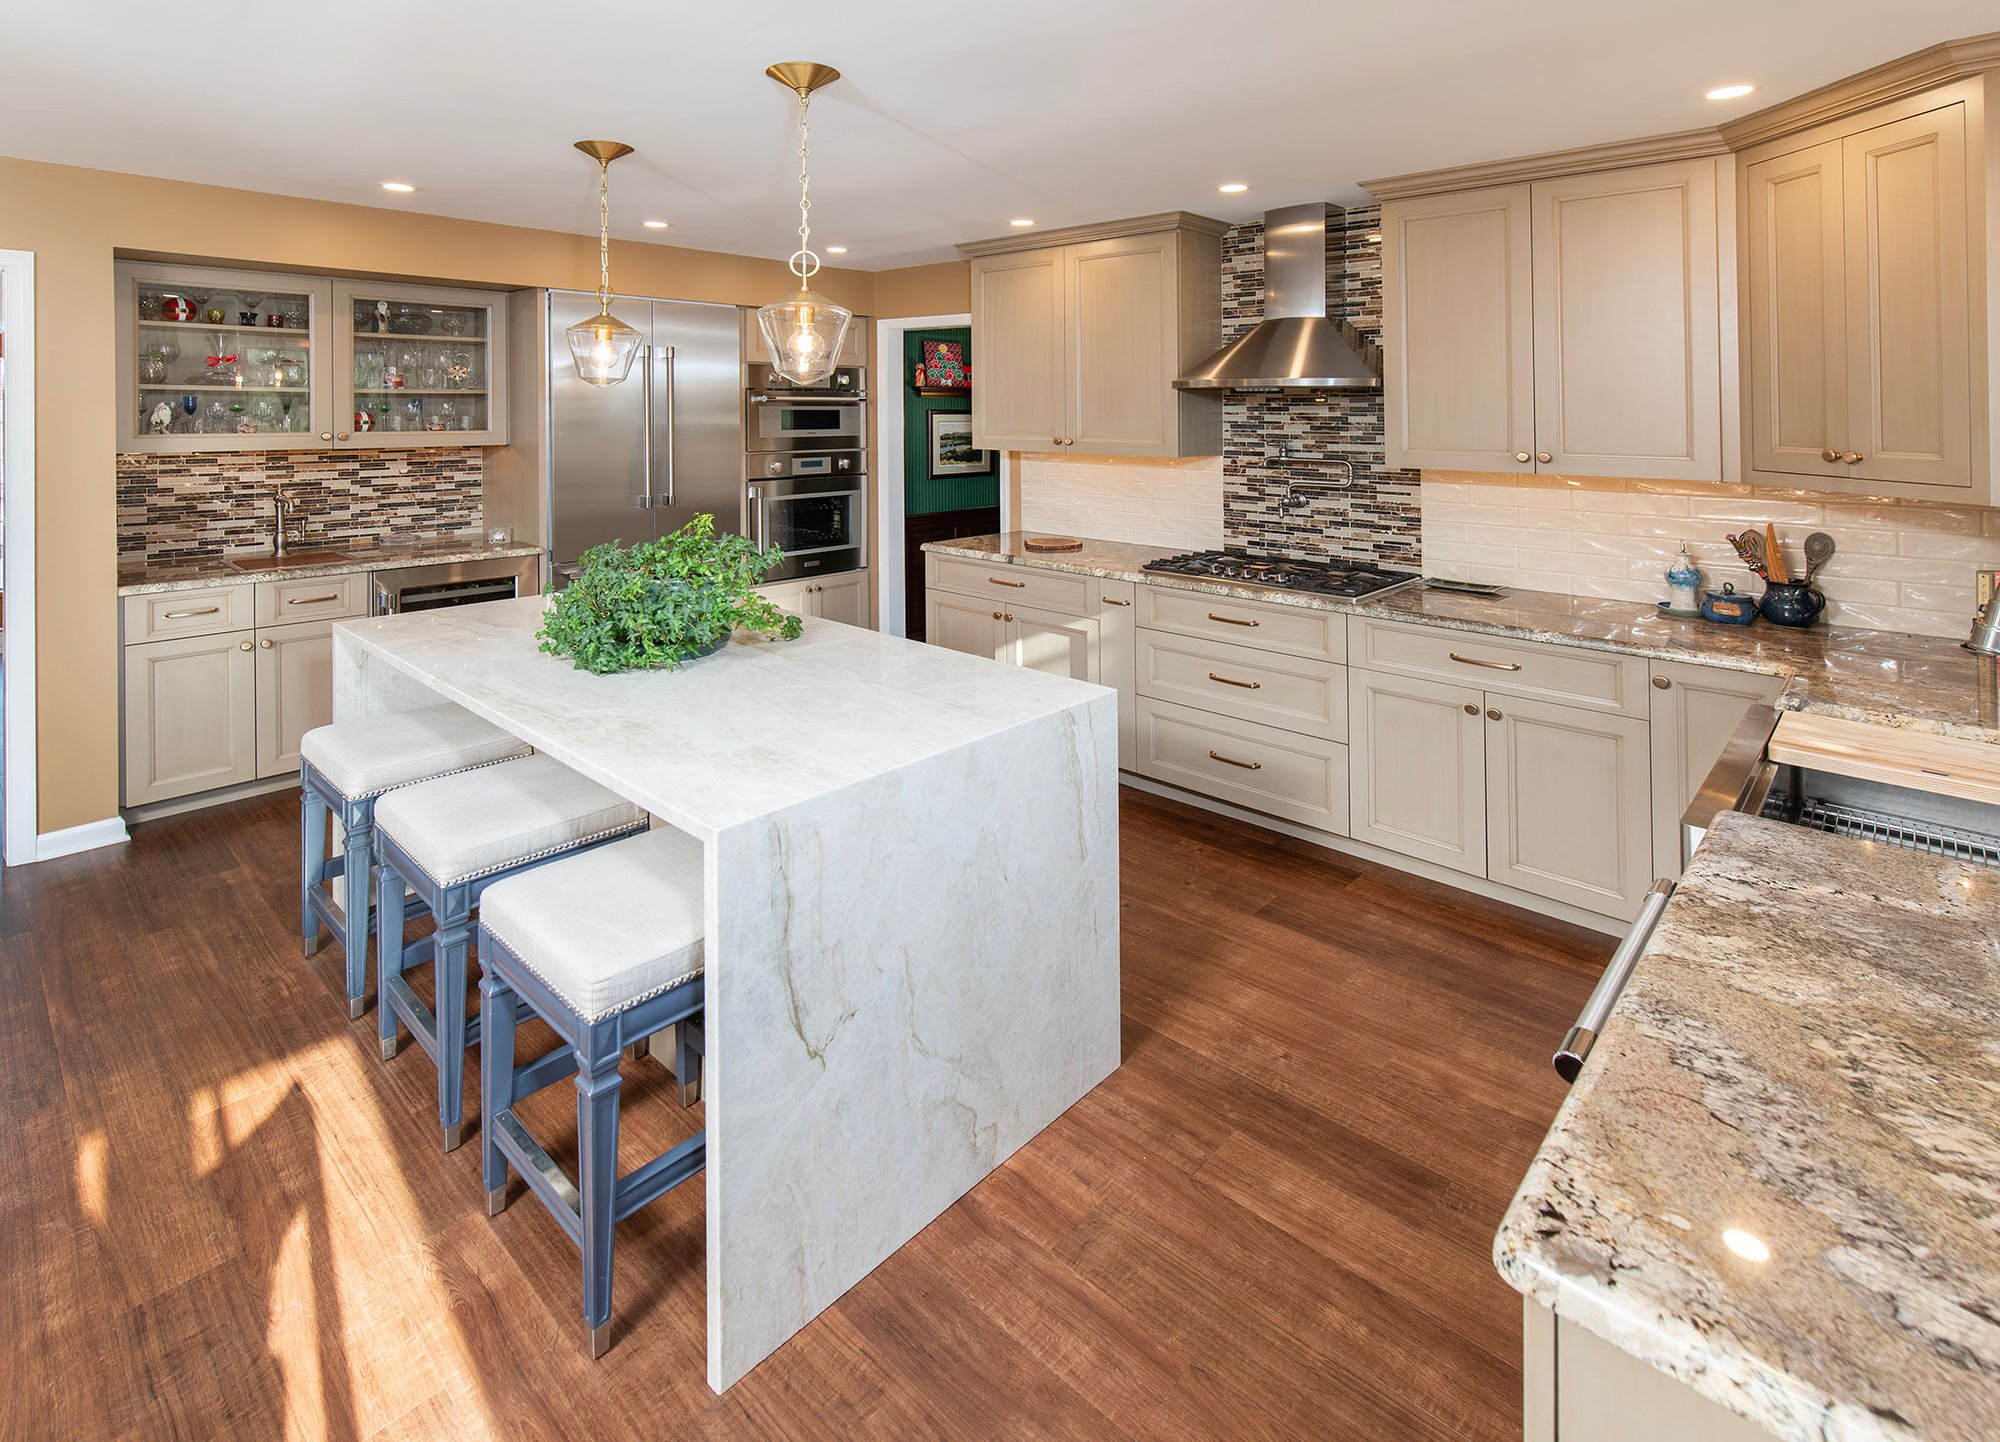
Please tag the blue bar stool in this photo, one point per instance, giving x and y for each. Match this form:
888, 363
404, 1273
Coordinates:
447, 840
346, 767
606, 948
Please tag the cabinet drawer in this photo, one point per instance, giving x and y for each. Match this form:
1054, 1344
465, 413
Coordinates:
1294, 630
1301, 778
1296, 693
1597, 680
1046, 590
311, 598
160, 615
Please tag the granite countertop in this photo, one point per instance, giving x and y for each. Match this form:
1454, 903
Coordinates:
1806, 1053
1888, 678
194, 575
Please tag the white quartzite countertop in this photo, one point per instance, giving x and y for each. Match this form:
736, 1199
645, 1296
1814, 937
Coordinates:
1917, 683
1809, 1051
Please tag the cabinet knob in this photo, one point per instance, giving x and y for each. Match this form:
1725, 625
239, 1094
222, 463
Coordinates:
342, 436
328, 435
998, 617
1470, 709
243, 645
1542, 456
1492, 715
267, 644
1853, 458
1008, 617
1055, 440
1829, 454
1523, 457
1662, 682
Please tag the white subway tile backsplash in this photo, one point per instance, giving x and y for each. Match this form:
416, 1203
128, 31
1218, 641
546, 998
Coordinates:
1171, 505
1897, 566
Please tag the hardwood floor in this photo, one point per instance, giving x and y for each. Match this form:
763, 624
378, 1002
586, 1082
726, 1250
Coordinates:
227, 1217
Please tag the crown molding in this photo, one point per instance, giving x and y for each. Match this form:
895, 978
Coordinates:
1921, 70
1102, 230
1614, 155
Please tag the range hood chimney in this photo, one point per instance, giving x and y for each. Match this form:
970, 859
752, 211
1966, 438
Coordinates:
1295, 347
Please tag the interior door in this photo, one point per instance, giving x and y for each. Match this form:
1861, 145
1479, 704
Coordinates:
1797, 386
1628, 347
695, 370
597, 440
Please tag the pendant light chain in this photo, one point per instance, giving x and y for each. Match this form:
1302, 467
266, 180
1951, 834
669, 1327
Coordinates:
805, 262
604, 235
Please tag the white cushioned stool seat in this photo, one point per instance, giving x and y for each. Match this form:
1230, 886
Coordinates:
369, 756
460, 827
609, 927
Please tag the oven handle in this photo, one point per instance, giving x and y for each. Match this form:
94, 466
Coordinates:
760, 398
1570, 1056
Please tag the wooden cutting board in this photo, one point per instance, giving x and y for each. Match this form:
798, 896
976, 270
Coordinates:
1944, 765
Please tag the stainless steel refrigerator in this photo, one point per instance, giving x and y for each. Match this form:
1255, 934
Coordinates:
588, 464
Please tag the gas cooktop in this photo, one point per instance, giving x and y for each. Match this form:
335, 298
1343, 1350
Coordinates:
1323, 578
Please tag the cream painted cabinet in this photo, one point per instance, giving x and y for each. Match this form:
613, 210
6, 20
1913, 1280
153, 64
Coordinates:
1416, 753
1577, 1385
1048, 641
1076, 345
294, 691
1695, 710
190, 715
1863, 312
964, 623
1568, 804
853, 345
1570, 325
842, 598
1117, 656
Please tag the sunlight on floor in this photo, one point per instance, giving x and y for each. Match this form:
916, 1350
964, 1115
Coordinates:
91, 1191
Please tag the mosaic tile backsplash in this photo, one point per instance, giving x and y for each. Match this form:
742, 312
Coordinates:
1270, 440
197, 507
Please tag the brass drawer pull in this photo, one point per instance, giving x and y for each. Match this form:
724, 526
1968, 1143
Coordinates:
996, 581
1113, 601
1489, 665
1231, 760
1246, 685
311, 600
1232, 620
181, 615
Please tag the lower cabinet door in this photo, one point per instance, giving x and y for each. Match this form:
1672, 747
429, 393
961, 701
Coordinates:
842, 598
190, 716
1301, 778
1696, 709
793, 596
1569, 811
1049, 641
1417, 759
294, 691
961, 623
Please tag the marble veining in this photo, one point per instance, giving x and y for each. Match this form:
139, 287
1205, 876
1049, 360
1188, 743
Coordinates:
1887, 678
197, 575
1809, 1051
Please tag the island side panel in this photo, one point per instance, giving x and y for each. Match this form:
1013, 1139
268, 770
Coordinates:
366, 685
907, 980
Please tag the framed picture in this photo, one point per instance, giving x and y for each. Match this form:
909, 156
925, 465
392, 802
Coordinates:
952, 452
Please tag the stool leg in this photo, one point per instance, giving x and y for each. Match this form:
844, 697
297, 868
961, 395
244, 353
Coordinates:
388, 951
453, 942
597, 1085
313, 812
496, 1082
354, 903
687, 1063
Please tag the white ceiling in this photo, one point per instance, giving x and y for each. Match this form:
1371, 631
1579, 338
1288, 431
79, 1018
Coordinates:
950, 120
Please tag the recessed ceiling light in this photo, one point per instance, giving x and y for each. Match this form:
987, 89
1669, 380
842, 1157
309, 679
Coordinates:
401, 187
654, 224
1020, 222
836, 250
1750, 1248
1235, 187
1729, 92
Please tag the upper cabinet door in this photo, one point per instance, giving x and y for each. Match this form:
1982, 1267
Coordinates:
1627, 344
419, 366
1122, 359
1909, 361
1796, 382
1458, 335
1020, 380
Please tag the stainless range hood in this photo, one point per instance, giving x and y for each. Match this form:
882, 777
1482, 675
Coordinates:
1295, 347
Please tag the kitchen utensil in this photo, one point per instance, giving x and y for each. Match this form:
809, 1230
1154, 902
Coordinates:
1819, 550
1791, 603
1985, 637
1750, 546
1727, 607
1774, 556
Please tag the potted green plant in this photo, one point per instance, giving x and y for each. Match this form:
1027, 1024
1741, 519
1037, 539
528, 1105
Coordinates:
663, 603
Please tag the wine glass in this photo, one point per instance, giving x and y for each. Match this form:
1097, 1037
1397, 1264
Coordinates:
189, 405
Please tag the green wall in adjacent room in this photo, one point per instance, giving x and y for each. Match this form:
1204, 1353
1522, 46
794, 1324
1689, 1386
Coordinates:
923, 496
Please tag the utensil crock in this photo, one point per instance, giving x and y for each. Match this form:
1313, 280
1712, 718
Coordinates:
1791, 603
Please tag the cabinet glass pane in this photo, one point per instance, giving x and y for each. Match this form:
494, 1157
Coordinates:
216, 360
420, 367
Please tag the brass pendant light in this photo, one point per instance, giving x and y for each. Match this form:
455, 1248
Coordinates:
603, 346
803, 331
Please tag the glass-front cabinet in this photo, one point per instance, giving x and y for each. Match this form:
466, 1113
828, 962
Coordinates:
217, 360
220, 360
420, 366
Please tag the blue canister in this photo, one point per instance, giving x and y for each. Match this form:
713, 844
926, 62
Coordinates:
1727, 607
1791, 603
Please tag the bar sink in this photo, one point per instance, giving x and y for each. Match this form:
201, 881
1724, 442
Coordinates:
293, 558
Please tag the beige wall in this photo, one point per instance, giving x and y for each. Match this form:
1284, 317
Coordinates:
74, 220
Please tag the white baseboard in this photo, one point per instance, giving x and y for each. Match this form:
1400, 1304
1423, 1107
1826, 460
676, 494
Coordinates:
87, 837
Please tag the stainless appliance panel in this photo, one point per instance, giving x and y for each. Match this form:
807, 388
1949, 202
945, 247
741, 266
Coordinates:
843, 465
819, 524
842, 380
597, 463
781, 423
695, 375
452, 583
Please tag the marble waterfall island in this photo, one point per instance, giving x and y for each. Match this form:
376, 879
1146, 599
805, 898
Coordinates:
912, 913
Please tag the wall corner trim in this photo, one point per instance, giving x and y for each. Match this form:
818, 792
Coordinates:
87, 837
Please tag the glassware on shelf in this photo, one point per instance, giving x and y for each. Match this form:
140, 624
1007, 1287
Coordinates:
410, 320
152, 367
293, 309
456, 368
369, 368
454, 322
288, 372
215, 420
187, 425
444, 416
264, 414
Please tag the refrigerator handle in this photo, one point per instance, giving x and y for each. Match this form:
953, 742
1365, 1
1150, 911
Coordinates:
668, 471
645, 499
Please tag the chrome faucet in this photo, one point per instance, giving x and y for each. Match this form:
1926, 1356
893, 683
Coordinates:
1291, 502
283, 527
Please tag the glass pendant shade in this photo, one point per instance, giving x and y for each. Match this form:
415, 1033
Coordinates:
803, 332
603, 347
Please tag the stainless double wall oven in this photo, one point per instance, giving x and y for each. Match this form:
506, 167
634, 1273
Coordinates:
806, 470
